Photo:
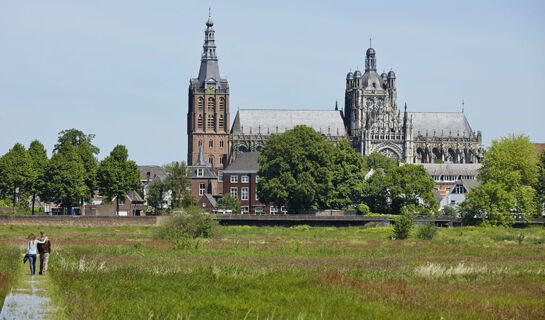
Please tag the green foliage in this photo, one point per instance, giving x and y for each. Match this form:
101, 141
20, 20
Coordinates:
450, 211
363, 209
348, 177
427, 231
10, 260
377, 161
295, 169
410, 185
65, 176
16, 172
181, 229
156, 193
508, 175
86, 151
229, 202
177, 181
39, 161
117, 175
403, 225
375, 193
540, 184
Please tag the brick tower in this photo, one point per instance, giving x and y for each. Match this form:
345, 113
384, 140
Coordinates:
208, 108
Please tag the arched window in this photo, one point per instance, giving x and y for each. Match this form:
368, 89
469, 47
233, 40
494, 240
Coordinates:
211, 144
200, 103
221, 144
221, 121
199, 121
211, 121
222, 104
200, 143
211, 160
211, 104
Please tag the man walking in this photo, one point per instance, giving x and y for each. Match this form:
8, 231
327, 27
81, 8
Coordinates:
44, 250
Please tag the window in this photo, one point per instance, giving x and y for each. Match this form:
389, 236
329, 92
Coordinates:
256, 179
121, 201
210, 121
199, 121
234, 179
259, 209
200, 103
244, 194
244, 209
221, 144
256, 197
234, 191
201, 189
273, 210
210, 144
244, 179
200, 143
211, 160
221, 121
221, 160
200, 172
211, 104
220, 173
222, 104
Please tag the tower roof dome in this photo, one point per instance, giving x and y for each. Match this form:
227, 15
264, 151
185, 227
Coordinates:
357, 74
384, 75
370, 52
350, 76
391, 74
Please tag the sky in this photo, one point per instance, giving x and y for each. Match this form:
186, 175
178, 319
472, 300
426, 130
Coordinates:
121, 69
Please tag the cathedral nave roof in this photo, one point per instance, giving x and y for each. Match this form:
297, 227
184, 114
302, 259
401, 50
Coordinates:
440, 123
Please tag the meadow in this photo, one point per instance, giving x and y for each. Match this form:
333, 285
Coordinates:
292, 273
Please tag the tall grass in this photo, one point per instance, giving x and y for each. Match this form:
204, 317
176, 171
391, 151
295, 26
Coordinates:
10, 259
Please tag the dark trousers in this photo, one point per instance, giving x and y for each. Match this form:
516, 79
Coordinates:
41, 262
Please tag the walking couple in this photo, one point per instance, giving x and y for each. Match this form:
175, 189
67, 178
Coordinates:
43, 247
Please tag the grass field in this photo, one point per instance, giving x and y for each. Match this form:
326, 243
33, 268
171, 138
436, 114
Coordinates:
294, 273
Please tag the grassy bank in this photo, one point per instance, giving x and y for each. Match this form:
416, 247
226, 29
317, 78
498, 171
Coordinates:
296, 273
10, 259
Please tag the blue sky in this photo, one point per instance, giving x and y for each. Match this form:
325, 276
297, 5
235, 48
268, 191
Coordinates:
120, 69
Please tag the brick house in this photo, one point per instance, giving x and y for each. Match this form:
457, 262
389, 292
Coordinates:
240, 179
203, 179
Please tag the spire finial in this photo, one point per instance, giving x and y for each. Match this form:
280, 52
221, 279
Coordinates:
370, 42
209, 10
463, 105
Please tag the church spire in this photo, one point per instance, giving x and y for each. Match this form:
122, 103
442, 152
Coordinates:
209, 61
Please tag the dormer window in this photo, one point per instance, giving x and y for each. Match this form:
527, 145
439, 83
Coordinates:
200, 172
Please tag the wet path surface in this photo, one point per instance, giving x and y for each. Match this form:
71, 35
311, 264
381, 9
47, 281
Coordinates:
28, 299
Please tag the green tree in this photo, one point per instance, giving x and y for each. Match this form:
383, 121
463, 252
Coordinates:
16, 172
177, 181
117, 175
65, 176
540, 185
348, 177
377, 161
229, 202
295, 169
87, 151
38, 157
375, 193
410, 185
156, 193
508, 176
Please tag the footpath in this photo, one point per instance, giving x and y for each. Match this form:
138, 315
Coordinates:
29, 298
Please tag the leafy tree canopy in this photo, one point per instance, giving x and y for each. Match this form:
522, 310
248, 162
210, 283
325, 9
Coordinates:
229, 202
347, 177
65, 176
117, 175
410, 185
177, 181
379, 161
16, 172
295, 169
76, 138
39, 161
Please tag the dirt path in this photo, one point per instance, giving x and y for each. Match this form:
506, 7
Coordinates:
28, 299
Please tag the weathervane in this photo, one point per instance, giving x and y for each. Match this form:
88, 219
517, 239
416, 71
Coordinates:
370, 42
463, 105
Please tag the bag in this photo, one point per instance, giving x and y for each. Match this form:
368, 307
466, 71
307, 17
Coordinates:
25, 258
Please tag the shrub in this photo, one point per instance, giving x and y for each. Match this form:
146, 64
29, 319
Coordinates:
363, 209
181, 229
404, 223
427, 231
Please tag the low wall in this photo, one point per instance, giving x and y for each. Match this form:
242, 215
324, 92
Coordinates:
44, 220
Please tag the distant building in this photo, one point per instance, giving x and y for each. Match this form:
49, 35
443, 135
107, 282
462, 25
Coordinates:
457, 193
445, 175
240, 179
203, 178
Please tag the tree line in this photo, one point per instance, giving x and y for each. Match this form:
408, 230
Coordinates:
72, 174
300, 169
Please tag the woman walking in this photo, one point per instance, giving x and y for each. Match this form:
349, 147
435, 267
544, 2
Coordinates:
31, 247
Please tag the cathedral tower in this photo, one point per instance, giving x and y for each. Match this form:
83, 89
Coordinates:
208, 108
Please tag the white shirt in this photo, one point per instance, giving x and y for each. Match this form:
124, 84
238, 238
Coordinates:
31, 246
